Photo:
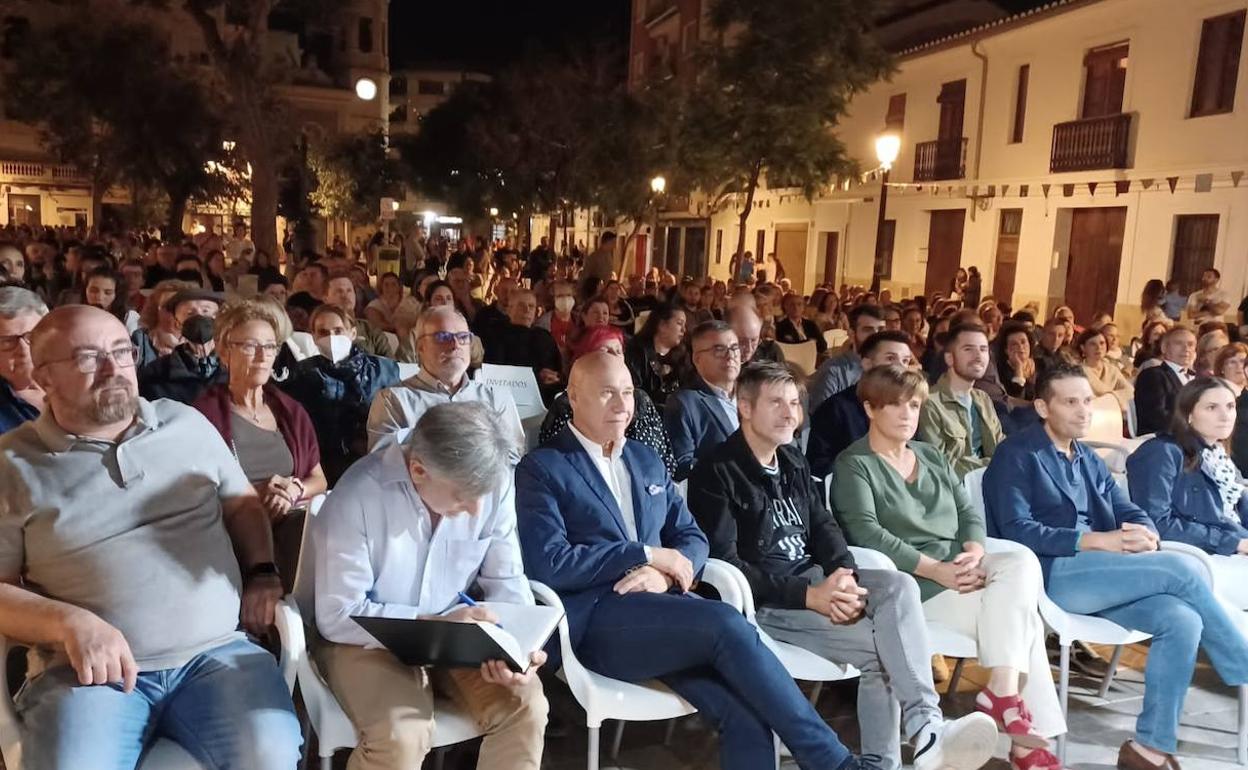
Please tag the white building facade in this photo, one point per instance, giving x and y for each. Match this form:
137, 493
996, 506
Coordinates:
1042, 149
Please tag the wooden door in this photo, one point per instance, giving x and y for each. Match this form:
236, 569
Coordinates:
944, 250
791, 253
1094, 260
1007, 255
1105, 79
831, 242
952, 101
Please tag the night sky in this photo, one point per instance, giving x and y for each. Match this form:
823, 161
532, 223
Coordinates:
488, 35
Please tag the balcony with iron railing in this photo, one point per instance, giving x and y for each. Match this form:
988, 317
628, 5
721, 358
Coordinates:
940, 159
1091, 144
657, 10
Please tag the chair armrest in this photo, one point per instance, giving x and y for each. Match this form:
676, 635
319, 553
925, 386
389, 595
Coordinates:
576, 675
867, 558
294, 642
10, 735
728, 581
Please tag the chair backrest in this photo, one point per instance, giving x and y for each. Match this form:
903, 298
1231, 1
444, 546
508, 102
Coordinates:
304, 593
520, 382
1114, 453
1132, 423
640, 321
1107, 420
835, 337
974, 483
302, 345
408, 370
575, 674
802, 355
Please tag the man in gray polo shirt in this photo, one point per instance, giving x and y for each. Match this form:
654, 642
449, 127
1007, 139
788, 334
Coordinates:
442, 345
120, 523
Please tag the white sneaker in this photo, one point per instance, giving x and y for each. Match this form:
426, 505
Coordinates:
961, 744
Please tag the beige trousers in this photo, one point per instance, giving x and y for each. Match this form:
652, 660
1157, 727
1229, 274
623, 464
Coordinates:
1004, 619
391, 706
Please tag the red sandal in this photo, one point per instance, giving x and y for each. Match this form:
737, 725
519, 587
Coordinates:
1037, 759
1012, 718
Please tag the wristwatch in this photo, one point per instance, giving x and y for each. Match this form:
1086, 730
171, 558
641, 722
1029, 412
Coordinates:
261, 569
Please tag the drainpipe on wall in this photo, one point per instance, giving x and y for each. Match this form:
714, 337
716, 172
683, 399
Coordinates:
979, 124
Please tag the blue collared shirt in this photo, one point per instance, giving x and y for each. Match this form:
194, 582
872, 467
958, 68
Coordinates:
1072, 481
13, 409
727, 403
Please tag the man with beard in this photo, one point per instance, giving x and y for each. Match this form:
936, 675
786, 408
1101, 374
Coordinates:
442, 345
958, 418
131, 546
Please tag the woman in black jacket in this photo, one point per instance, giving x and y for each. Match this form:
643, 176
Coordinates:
655, 357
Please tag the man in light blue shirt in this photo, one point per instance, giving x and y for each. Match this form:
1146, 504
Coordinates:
406, 530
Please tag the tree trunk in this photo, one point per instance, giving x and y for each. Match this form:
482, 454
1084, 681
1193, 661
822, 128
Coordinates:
263, 200
177, 211
734, 264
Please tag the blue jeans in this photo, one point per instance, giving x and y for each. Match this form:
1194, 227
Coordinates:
228, 707
708, 653
1165, 595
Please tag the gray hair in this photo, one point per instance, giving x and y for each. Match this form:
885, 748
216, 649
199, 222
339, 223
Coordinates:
14, 301
435, 312
464, 443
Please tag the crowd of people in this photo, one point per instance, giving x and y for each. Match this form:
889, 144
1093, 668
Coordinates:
162, 443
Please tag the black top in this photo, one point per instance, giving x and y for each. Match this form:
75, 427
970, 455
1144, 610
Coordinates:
772, 527
514, 345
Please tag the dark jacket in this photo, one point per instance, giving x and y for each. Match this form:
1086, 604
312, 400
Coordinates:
292, 422
337, 398
180, 376
786, 332
1239, 439
646, 427
1155, 389
13, 409
838, 422
1184, 504
696, 423
1028, 500
658, 375
727, 498
514, 345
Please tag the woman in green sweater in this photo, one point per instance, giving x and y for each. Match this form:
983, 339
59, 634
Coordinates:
900, 497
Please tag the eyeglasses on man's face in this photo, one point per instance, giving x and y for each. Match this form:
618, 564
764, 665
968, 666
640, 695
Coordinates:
723, 351
10, 342
88, 360
448, 338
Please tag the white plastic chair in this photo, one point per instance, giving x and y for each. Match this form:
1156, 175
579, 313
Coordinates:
1107, 419
1132, 420
302, 345
803, 355
640, 321
407, 371
333, 728
835, 337
605, 698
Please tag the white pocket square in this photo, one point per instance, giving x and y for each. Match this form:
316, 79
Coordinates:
654, 489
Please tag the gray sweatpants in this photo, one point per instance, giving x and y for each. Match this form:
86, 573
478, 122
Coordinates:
888, 645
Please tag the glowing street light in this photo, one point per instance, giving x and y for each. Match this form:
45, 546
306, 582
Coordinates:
366, 89
493, 211
887, 147
658, 184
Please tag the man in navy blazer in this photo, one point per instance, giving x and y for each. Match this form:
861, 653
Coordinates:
1157, 386
700, 417
602, 524
1099, 553
841, 420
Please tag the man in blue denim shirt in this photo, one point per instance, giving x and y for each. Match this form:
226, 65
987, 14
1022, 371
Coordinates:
1099, 553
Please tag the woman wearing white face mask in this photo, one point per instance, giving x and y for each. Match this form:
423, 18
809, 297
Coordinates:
337, 387
558, 320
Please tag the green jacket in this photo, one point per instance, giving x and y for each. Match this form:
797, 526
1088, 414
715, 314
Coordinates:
372, 340
945, 424
878, 509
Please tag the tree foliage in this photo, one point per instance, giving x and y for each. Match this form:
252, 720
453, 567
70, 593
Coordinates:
130, 122
773, 83
351, 176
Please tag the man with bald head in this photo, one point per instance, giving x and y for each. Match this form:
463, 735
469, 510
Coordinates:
520, 343
601, 523
748, 327
131, 547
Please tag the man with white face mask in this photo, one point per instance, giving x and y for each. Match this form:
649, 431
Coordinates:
442, 350
337, 387
558, 320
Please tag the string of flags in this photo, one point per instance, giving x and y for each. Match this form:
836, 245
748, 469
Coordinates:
1201, 183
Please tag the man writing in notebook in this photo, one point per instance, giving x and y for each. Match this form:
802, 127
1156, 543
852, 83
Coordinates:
406, 531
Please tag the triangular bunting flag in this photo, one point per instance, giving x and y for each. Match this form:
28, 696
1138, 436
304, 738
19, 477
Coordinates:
1068, 190
1023, 189
1122, 186
1005, 190
1147, 184
1173, 181
1204, 183
919, 188
1235, 177
1092, 188
1044, 188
